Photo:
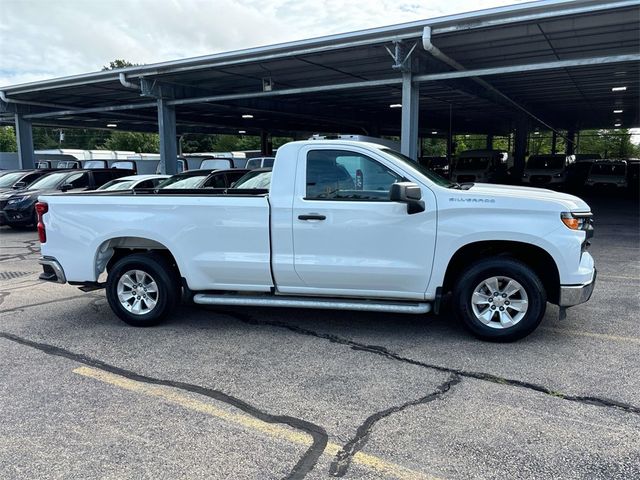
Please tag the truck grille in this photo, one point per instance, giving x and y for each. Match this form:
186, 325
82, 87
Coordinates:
540, 179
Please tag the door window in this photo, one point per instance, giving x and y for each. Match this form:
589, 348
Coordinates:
344, 175
79, 180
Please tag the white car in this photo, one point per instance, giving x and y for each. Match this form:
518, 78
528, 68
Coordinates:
341, 225
547, 170
134, 182
608, 173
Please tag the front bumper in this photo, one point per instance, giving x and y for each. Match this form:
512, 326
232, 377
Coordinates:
52, 270
571, 295
16, 217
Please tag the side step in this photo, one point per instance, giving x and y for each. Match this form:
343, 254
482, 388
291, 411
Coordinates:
315, 302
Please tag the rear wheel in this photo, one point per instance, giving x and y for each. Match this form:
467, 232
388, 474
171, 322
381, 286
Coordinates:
142, 289
500, 299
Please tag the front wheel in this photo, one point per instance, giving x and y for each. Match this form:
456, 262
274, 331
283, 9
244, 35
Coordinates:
142, 289
500, 299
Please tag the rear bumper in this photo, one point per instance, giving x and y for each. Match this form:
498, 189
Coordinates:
52, 270
571, 295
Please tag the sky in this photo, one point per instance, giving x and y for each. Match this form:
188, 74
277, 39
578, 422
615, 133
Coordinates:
42, 39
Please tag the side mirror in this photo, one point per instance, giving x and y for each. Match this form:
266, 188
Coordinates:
65, 187
409, 193
19, 185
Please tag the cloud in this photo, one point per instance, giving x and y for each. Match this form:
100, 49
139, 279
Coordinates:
42, 39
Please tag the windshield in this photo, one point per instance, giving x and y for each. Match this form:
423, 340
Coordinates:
415, 166
48, 181
216, 163
179, 181
608, 169
472, 163
261, 180
10, 178
118, 185
546, 162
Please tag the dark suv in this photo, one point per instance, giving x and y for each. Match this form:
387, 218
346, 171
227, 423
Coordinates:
17, 209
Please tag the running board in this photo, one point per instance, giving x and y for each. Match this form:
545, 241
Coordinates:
306, 302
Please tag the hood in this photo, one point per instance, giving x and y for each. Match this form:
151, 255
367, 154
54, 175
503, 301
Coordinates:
566, 201
20, 193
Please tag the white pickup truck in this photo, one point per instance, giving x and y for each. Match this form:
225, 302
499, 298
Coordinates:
344, 225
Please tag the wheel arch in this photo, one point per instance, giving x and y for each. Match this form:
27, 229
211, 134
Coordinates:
537, 258
113, 249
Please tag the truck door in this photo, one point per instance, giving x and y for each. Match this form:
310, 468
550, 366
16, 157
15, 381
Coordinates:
348, 237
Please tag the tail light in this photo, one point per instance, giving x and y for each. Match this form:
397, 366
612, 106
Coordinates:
41, 209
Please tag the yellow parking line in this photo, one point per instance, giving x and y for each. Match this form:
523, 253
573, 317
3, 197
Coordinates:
273, 430
603, 336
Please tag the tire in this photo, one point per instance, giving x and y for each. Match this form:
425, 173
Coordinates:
510, 316
151, 275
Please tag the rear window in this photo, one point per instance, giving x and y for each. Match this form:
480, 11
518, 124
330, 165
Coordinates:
216, 164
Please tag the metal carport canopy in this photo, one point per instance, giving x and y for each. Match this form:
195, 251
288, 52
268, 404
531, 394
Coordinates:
557, 59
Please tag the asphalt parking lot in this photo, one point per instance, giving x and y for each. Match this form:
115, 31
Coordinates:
270, 393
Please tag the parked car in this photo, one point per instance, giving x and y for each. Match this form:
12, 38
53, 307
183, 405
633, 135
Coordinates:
134, 182
483, 166
18, 209
20, 179
320, 239
608, 173
547, 170
633, 176
223, 178
259, 178
260, 162
439, 165
188, 179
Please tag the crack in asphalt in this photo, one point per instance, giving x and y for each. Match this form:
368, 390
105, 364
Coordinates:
304, 465
343, 458
32, 246
487, 377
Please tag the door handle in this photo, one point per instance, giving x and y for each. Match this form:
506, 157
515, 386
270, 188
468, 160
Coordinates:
314, 216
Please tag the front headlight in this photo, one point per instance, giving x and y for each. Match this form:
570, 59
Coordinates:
577, 221
558, 175
15, 200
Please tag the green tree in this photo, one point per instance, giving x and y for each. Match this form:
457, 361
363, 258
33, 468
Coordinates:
119, 63
608, 143
135, 141
8, 140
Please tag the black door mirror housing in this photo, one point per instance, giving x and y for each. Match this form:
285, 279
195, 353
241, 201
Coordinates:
409, 193
19, 185
66, 186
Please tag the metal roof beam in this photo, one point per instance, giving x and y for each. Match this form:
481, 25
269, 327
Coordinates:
454, 23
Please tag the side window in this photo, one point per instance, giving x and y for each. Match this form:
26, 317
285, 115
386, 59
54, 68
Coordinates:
344, 175
216, 181
30, 178
100, 178
145, 184
79, 180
